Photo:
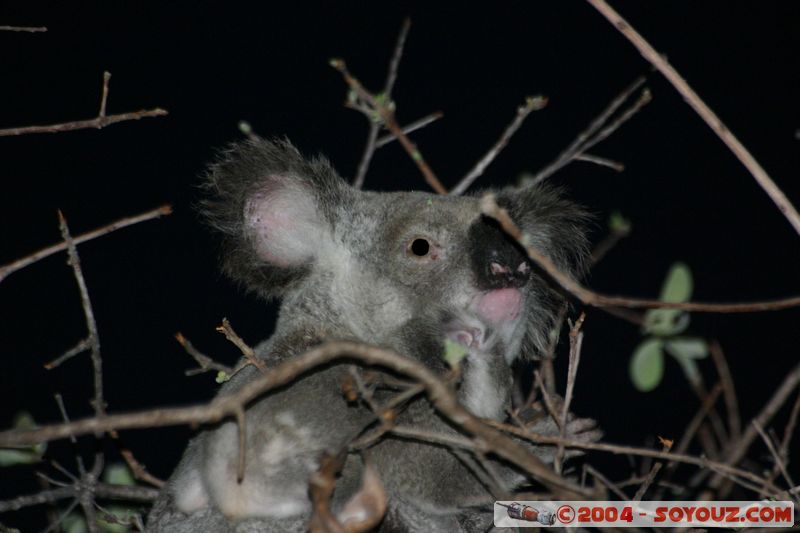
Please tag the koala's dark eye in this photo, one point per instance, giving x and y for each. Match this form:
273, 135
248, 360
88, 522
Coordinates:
419, 247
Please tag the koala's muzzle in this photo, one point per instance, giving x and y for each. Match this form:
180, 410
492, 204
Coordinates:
497, 260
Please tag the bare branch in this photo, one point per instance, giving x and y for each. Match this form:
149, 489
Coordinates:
651, 476
394, 64
385, 111
97, 123
705, 112
102, 490
227, 330
375, 125
736, 450
726, 380
80, 347
595, 131
723, 469
91, 324
602, 161
775, 456
25, 29
104, 94
205, 362
532, 103
100, 121
414, 126
588, 297
575, 343
114, 226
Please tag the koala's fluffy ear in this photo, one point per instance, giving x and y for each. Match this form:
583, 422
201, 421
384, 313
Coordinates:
275, 211
557, 226
558, 229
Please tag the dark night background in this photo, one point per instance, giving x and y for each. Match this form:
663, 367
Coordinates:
213, 64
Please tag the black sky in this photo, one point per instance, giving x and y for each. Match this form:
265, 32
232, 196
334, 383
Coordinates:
212, 64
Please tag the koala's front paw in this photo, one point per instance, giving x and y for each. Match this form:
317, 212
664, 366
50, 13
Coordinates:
536, 419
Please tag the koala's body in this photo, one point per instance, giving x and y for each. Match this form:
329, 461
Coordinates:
405, 271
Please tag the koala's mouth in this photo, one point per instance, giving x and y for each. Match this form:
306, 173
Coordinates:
498, 306
494, 312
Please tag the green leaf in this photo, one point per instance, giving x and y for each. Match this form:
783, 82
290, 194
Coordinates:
647, 364
118, 474
678, 285
690, 370
13, 457
686, 350
23, 455
687, 347
677, 288
618, 223
454, 352
665, 322
245, 127
74, 523
122, 515
24, 420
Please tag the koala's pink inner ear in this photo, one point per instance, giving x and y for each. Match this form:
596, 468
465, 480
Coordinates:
284, 224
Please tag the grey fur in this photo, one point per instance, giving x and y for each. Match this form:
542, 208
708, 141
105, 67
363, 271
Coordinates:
347, 265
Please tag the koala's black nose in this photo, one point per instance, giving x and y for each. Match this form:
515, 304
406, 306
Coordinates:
497, 260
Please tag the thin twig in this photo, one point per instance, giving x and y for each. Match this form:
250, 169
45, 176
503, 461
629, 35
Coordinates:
532, 103
711, 119
102, 490
138, 469
490, 208
50, 250
387, 115
72, 439
248, 352
584, 140
790, 427
205, 362
25, 29
100, 121
651, 476
690, 431
723, 469
605, 481
397, 55
88, 479
775, 456
788, 432
375, 125
80, 347
241, 426
414, 126
366, 157
547, 399
731, 403
575, 343
610, 241
96, 123
738, 448
602, 161
91, 324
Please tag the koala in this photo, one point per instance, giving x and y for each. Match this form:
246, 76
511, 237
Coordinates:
408, 271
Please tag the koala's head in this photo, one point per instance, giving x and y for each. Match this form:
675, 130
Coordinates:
367, 263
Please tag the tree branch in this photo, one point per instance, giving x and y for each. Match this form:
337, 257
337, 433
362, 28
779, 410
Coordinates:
705, 112
100, 121
588, 297
114, 226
